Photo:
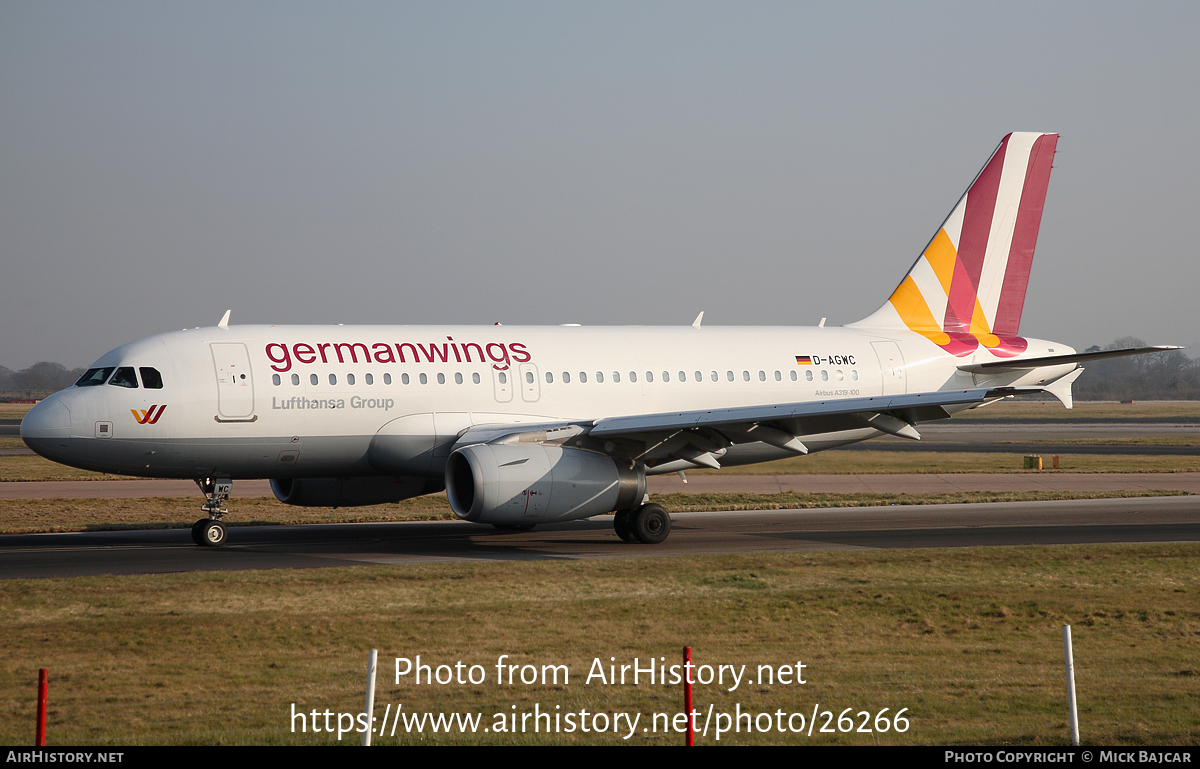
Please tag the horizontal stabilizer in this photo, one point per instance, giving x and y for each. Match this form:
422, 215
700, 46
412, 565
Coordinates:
1057, 360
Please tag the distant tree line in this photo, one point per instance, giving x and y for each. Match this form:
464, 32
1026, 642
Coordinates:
1158, 376
37, 381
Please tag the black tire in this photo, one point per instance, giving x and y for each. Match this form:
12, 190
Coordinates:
651, 524
212, 534
196, 531
623, 525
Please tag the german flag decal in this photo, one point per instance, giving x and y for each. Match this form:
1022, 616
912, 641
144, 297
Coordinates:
803, 360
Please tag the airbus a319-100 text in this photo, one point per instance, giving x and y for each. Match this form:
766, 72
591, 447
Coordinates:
525, 425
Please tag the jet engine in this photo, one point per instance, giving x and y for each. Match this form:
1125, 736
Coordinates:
350, 492
526, 484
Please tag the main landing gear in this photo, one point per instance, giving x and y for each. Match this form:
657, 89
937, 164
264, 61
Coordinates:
210, 531
649, 524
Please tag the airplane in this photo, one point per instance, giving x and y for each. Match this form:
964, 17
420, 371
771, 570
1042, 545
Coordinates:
530, 425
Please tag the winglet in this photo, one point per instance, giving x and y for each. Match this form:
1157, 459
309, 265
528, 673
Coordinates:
696, 322
224, 320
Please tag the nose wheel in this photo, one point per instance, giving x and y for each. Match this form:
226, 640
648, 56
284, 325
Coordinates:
211, 531
208, 533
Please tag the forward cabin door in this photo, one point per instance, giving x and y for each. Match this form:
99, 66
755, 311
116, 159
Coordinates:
891, 366
235, 385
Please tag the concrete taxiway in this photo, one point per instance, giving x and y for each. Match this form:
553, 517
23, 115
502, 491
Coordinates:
1154, 519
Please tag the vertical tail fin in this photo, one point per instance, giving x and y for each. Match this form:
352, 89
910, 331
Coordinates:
968, 287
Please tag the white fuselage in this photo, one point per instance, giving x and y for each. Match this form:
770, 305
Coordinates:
317, 401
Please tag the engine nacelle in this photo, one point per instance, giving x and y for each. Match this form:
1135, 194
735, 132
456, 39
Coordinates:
538, 483
350, 492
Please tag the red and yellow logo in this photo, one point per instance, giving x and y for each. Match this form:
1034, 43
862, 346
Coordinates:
148, 416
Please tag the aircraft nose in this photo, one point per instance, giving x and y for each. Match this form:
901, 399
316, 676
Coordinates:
48, 421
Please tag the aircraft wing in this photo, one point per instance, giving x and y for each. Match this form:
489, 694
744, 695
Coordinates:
696, 436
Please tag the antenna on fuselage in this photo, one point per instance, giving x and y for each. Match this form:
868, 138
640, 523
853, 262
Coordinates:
224, 320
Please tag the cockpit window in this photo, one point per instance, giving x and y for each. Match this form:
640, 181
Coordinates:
151, 379
124, 377
93, 377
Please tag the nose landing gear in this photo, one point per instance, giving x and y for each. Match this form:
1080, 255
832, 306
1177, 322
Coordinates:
211, 531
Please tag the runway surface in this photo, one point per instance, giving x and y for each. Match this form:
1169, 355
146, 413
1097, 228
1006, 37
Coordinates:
1155, 519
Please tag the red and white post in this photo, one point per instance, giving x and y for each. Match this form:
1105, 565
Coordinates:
687, 694
43, 685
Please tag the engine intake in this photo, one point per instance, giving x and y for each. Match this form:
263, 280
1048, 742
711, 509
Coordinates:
538, 483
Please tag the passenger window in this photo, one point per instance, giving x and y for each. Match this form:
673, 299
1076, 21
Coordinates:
808, 375
762, 376
152, 380
840, 375
745, 376
698, 377
583, 377
333, 379
387, 379
312, 378
713, 376
617, 376
600, 377
824, 375
425, 380
124, 378
793, 376
275, 380
295, 379
368, 379
458, 377
854, 374
503, 378
549, 378
778, 377
529, 377
350, 379
649, 376
93, 377
566, 378
475, 377
632, 376
403, 378
729, 375
441, 379
666, 376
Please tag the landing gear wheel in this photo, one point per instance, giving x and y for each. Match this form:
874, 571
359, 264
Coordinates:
514, 526
196, 537
212, 533
623, 525
651, 524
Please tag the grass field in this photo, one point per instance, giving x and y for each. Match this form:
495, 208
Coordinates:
1028, 409
968, 640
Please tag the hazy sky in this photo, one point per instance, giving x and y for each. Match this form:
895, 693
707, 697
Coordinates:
606, 163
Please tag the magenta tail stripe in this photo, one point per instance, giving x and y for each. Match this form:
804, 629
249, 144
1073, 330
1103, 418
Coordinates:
972, 243
1025, 232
